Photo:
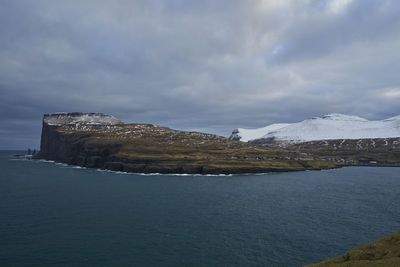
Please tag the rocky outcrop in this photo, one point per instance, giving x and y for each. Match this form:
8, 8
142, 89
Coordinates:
235, 135
102, 141
384, 252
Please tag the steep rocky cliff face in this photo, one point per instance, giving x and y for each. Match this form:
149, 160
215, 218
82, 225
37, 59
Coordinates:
54, 145
102, 141
64, 137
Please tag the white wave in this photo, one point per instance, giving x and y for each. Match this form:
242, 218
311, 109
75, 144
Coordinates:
78, 167
47, 161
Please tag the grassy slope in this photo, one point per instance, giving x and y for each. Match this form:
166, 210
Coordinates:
383, 150
384, 252
168, 147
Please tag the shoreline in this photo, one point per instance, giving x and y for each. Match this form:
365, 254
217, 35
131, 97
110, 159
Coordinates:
215, 171
126, 167
210, 171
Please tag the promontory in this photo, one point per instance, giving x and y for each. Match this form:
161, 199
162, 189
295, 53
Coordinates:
102, 141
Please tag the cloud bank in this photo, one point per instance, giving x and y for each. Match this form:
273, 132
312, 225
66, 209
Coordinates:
196, 65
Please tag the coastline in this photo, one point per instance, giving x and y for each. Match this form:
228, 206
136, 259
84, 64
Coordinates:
209, 174
187, 170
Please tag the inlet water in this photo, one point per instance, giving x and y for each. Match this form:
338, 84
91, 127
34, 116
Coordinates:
57, 215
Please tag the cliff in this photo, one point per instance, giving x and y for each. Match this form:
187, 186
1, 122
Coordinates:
384, 252
64, 134
101, 141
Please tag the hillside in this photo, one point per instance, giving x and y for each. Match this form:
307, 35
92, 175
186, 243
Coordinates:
102, 141
329, 127
384, 252
372, 152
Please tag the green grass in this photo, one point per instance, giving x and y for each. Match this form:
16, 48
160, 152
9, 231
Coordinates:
133, 143
384, 252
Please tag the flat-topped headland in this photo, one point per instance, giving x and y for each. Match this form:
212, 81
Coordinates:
102, 141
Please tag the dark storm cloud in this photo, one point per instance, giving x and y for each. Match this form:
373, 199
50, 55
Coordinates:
196, 65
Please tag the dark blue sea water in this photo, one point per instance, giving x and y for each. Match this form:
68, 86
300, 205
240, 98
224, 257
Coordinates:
57, 215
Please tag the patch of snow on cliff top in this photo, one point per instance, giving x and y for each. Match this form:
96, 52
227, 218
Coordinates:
332, 126
75, 118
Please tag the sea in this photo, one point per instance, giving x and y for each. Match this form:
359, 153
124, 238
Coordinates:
52, 214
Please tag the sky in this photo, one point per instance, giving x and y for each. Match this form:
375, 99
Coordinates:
208, 65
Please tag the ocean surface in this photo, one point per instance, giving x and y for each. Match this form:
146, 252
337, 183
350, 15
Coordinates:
57, 215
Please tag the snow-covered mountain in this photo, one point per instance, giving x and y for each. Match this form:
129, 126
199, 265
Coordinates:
332, 126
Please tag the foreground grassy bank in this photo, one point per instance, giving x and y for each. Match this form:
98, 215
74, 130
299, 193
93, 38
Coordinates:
384, 252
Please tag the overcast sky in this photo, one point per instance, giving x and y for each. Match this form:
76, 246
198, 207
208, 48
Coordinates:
196, 65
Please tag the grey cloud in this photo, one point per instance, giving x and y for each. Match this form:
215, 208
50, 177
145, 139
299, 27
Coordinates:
321, 33
195, 65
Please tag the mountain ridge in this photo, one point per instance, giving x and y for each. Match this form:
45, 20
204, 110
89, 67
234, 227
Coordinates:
329, 127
